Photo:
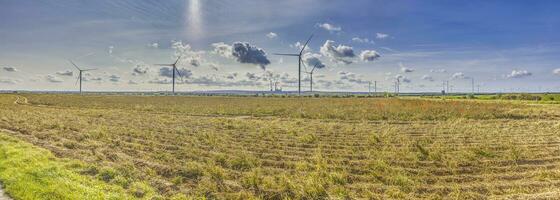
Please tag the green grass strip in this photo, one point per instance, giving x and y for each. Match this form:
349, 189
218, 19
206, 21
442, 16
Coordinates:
28, 172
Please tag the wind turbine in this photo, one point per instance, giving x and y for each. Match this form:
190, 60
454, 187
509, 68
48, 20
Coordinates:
299, 61
311, 74
80, 74
174, 66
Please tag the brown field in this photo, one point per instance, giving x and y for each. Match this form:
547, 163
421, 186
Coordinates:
298, 148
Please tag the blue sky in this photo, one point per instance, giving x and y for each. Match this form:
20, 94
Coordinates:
503, 45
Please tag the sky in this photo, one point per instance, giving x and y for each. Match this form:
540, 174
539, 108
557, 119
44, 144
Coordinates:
501, 46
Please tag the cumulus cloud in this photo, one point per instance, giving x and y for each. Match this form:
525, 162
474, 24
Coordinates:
187, 54
53, 79
556, 71
369, 55
438, 70
272, 35
351, 77
65, 73
363, 40
459, 75
252, 76
381, 36
214, 67
311, 60
114, 78
223, 49
8, 81
246, 53
10, 69
330, 27
298, 45
168, 72
243, 52
160, 81
428, 78
154, 45
140, 69
405, 69
339, 54
519, 74
232, 76
89, 77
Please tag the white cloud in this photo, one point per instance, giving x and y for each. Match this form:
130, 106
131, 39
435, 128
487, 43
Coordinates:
53, 79
140, 69
154, 45
339, 54
363, 40
311, 60
438, 70
298, 45
114, 78
381, 36
556, 71
272, 35
168, 72
8, 81
369, 55
351, 77
10, 69
187, 54
330, 27
65, 73
223, 49
459, 75
111, 50
405, 69
519, 74
428, 78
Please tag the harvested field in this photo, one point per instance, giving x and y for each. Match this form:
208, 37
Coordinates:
299, 148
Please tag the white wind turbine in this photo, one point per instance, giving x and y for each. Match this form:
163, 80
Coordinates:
299, 55
80, 74
174, 69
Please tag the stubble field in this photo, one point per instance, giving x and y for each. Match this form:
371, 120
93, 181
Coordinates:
296, 148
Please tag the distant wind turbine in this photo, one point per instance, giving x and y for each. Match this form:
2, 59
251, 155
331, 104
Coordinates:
311, 75
174, 66
299, 61
80, 74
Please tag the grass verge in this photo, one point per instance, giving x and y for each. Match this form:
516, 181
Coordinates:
28, 172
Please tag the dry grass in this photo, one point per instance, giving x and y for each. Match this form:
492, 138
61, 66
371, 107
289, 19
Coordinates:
277, 148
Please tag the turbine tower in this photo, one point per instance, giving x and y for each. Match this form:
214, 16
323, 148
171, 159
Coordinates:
299, 61
174, 69
80, 74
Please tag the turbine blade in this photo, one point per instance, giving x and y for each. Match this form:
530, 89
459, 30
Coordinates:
76, 66
179, 58
305, 45
78, 79
304, 65
180, 75
314, 67
286, 54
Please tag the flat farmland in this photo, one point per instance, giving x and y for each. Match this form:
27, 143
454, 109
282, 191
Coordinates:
163, 147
